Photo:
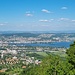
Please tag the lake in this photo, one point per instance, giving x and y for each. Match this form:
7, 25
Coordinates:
54, 44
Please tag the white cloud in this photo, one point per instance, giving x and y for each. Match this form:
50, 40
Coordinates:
44, 20
1, 24
63, 19
51, 19
46, 11
28, 14
73, 20
64, 8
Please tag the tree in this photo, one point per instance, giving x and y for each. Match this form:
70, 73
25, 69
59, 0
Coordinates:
51, 65
71, 54
55, 65
1, 73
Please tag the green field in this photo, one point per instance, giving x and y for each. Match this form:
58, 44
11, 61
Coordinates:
42, 53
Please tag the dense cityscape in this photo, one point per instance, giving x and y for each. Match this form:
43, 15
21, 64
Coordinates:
15, 48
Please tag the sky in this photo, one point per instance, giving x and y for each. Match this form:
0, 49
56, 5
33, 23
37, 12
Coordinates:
37, 15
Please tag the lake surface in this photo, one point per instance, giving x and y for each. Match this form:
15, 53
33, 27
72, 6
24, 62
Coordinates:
54, 44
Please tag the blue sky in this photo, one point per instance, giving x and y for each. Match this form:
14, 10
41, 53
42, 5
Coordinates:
37, 15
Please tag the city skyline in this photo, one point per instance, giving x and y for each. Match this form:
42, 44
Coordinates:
37, 15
